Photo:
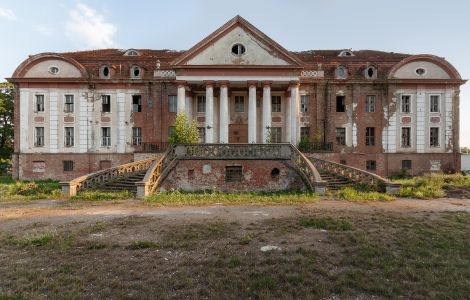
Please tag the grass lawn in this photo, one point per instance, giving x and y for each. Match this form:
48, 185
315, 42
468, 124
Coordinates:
28, 190
330, 254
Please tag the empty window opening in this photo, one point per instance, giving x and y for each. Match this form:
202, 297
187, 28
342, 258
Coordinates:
370, 136
420, 71
39, 103
136, 136
105, 103
405, 104
238, 49
340, 104
434, 137
370, 72
304, 133
67, 165
341, 136
135, 72
105, 136
239, 104
406, 164
304, 101
172, 103
69, 107
406, 137
275, 173
68, 136
371, 165
276, 104
105, 71
370, 103
233, 173
136, 103
201, 104
434, 103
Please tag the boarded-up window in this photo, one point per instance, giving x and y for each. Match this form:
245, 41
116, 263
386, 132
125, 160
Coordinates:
233, 173
68, 165
39, 166
105, 164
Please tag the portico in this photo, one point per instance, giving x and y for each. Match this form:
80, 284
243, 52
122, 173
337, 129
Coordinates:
244, 105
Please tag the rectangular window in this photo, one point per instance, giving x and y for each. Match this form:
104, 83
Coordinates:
233, 173
39, 136
341, 136
239, 104
172, 103
370, 136
304, 101
105, 103
39, 103
68, 136
275, 103
340, 104
406, 164
370, 103
201, 104
371, 165
276, 134
406, 137
405, 104
434, 136
136, 136
304, 133
67, 165
202, 134
136, 103
434, 103
68, 107
105, 136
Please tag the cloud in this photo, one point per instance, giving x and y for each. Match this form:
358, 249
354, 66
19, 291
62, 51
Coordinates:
7, 14
44, 29
88, 27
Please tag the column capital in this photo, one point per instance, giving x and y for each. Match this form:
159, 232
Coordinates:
180, 83
209, 83
294, 83
252, 83
224, 83
267, 83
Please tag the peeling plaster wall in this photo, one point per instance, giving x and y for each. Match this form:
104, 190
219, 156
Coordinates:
433, 71
41, 69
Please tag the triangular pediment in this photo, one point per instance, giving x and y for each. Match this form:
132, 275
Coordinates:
217, 48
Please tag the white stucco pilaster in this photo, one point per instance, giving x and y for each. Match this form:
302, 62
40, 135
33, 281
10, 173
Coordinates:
121, 128
252, 112
288, 120
24, 120
83, 122
53, 122
181, 98
420, 120
448, 119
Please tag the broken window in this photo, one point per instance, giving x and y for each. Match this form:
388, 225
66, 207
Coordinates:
304, 100
406, 137
341, 136
105, 136
136, 103
172, 103
201, 104
136, 136
405, 104
67, 165
105, 103
39, 136
39, 103
238, 49
276, 104
68, 107
68, 136
239, 104
370, 136
233, 173
434, 103
370, 103
434, 137
371, 165
340, 104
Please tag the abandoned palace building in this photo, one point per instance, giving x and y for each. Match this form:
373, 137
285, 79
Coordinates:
80, 112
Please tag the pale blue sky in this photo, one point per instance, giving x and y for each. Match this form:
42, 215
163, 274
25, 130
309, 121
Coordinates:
410, 26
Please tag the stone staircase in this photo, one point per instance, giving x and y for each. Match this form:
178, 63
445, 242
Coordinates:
335, 182
125, 183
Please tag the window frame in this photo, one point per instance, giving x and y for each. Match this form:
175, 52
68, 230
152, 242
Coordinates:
276, 106
202, 134
304, 103
105, 139
403, 145
136, 107
233, 170
403, 167
106, 103
239, 104
370, 136
370, 105
276, 138
36, 104
434, 141
172, 103
69, 108
69, 139
67, 165
438, 110
39, 140
201, 104
136, 136
340, 140
305, 134
410, 106
371, 165
343, 105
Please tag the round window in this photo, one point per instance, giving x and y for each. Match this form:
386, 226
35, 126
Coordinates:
341, 72
54, 70
275, 173
238, 49
420, 71
136, 72
105, 71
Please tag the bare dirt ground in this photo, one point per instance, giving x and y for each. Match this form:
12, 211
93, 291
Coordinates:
326, 250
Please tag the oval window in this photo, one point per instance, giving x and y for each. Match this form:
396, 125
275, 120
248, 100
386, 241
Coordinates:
275, 173
136, 72
341, 72
238, 49
420, 71
370, 72
54, 70
105, 71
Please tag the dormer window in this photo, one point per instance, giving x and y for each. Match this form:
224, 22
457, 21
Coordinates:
105, 72
136, 72
346, 53
131, 53
370, 72
341, 73
238, 49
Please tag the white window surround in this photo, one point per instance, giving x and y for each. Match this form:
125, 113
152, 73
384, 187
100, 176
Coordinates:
420, 68
438, 104
346, 53
411, 137
341, 72
411, 104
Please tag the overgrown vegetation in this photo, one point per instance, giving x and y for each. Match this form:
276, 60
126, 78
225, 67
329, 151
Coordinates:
102, 196
177, 198
185, 131
327, 223
28, 190
431, 185
354, 195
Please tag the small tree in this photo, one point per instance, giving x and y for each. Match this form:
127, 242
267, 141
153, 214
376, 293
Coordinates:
6, 120
185, 132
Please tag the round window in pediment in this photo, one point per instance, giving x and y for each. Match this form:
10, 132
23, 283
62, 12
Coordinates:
105, 71
54, 70
238, 49
420, 71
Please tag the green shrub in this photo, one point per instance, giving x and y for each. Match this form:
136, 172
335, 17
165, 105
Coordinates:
431, 185
351, 194
28, 190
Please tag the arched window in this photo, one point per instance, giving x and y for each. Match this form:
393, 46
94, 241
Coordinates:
370, 72
136, 72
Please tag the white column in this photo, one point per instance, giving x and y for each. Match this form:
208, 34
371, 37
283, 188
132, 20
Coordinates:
288, 117
294, 97
189, 107
181, 98
252, 111
224, 117
266, 110
209, 112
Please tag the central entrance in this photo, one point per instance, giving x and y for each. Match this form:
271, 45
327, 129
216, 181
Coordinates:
238, 133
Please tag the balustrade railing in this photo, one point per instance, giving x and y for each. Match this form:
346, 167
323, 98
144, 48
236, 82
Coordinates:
313, 147
152, 147
233, 151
